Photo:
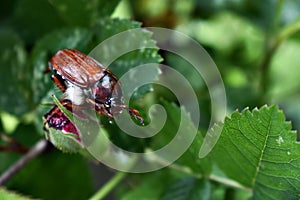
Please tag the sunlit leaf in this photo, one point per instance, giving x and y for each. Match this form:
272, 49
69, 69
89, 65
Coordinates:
6, 194
283, 67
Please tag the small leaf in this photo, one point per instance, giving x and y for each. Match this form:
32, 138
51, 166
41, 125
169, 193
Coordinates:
188, 188
259, 150
64, 142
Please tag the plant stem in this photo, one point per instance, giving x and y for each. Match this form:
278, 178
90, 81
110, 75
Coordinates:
228, 182
110, 185
212, 177
272, 45
36, 150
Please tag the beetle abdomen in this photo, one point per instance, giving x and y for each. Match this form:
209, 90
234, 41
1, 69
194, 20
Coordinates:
75, 94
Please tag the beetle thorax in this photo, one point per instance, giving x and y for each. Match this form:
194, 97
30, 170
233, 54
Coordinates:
107, 91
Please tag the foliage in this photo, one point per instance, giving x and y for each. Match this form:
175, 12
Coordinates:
255, 45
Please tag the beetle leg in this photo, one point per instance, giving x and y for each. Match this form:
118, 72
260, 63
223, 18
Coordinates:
134, 113
100, 108
58, 83
75, 109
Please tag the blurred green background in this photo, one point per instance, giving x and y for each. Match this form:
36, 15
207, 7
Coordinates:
254, 43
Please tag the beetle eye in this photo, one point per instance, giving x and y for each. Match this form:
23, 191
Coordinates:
108, 102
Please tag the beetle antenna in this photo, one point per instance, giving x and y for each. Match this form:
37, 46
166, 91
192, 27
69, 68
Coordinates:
135, 113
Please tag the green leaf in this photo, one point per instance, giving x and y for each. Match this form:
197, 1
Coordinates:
107, 27
12, 73
75, 12
26, 134
106, 8
186, 69
139, 41
45, 48
6, 10
191, 158
287, 53
83, 12
258, 12
7, 159
259, 150
240, 35
9, 195
64, 142
34, 18
149, 186
122, 53
173, 121
188, 188
56, 176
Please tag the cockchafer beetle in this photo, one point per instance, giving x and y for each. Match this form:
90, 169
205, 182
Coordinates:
86, 83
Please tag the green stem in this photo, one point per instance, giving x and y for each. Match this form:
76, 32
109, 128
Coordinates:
272, 45
110, 185
289, 30
277, 17
211, 177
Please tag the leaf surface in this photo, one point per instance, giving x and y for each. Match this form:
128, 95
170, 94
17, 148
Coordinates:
258, 149
188, 188
5, 194
12, 65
